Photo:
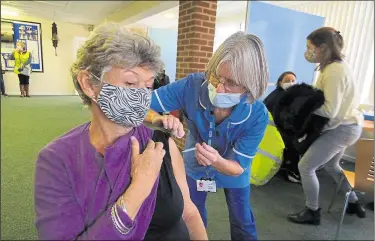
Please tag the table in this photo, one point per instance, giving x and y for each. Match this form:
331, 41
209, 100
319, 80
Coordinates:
368, 126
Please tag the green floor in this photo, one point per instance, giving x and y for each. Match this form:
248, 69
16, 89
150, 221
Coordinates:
28, 124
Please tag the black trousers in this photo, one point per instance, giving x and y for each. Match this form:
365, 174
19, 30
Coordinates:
2, 85
291, 156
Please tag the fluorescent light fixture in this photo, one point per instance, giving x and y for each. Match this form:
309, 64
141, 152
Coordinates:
6, 12
169, 15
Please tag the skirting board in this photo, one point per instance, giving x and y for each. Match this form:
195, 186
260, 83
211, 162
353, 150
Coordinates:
41, 94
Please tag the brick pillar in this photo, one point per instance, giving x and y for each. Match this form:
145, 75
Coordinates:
196, 31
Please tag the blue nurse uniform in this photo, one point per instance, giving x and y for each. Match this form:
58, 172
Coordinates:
236, 138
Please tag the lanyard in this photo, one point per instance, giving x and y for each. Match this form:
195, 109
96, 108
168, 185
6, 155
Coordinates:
211, 130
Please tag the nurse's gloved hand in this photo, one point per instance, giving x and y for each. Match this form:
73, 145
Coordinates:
206, 155
171, 123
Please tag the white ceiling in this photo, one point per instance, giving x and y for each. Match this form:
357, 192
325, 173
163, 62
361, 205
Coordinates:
81, 12
93, 12
227, 12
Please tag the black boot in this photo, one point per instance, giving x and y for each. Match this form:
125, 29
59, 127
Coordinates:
356, 208
306, 216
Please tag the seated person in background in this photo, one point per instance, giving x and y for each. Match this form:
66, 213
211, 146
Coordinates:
161, 80
299, 126
285, 80
290, 156
113, 178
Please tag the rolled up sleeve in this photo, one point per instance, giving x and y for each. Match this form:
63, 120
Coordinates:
59, 215
246, 146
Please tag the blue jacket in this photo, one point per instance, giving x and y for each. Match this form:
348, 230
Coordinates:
236, 138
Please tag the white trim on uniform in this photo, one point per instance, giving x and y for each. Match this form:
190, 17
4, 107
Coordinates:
241, 154
201, 104
248, 116
157, 97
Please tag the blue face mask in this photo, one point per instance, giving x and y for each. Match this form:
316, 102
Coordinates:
222, 100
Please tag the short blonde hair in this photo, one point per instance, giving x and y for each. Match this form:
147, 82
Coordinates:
247, 59
23, 45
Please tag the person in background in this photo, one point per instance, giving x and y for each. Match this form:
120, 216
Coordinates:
113, 178
285, 80
2, 84
161, 80
324, 46
226, 123
290, 156
22, 67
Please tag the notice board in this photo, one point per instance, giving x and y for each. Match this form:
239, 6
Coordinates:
30, 33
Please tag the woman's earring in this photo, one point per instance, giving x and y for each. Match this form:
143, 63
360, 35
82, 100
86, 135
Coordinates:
94, 99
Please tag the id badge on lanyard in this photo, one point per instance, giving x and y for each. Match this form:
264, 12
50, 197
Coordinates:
208, 184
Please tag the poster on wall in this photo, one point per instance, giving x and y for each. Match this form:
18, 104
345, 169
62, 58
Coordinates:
29, 33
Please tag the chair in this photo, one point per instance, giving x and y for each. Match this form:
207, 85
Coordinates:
362, 180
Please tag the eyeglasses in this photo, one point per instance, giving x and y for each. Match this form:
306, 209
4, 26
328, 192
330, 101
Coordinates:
229, 85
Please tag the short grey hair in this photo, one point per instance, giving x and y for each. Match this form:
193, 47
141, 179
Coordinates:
246, 56
113, 45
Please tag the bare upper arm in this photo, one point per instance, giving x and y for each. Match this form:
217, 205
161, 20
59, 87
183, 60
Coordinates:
180, 175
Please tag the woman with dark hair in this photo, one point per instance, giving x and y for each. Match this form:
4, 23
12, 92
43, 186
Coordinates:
285, 80
324, 46
290, 156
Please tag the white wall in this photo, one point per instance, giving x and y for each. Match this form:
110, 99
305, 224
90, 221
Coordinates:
223, 31
167, 40
56, 79
371, 96
78, 42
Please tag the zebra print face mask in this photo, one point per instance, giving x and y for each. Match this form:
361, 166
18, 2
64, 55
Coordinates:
124, 106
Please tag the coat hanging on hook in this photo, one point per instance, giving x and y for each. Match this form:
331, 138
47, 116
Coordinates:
55, 38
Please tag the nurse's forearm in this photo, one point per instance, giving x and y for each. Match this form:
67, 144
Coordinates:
151, 115
228, 167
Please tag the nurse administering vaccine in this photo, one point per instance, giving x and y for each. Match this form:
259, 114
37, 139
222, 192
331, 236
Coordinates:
226, 123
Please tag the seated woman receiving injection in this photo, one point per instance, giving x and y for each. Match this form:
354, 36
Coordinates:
113, 178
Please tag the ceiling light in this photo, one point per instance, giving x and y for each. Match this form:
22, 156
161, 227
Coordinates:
169, 15
5, 12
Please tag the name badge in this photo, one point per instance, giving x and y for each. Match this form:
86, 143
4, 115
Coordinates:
206, 185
